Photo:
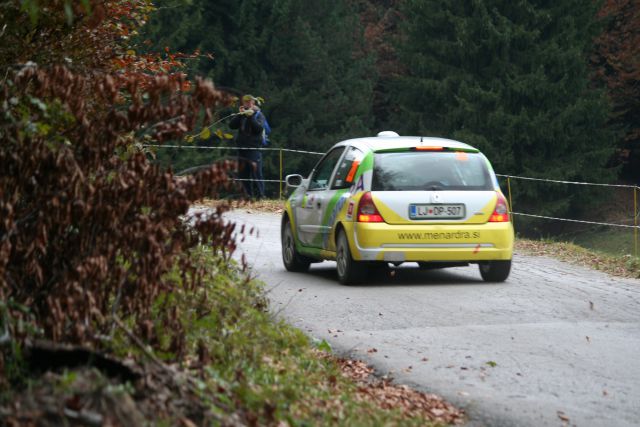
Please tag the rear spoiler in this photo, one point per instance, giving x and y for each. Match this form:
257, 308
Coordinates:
429, 148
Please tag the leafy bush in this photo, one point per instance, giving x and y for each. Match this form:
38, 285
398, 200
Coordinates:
88, 226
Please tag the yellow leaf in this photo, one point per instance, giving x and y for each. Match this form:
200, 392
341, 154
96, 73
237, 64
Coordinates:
205, 134
228, 136
219, 133
131, 52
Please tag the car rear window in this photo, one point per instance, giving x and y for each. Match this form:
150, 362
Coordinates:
428, 170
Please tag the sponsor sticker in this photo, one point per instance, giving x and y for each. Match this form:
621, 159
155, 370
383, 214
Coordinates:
438, 235
350, 210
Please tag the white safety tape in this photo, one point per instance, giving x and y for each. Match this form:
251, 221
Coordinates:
575, 220
500, 175
567, 182
288, 150
249, 179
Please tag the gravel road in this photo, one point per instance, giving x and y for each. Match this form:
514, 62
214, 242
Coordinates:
555, 345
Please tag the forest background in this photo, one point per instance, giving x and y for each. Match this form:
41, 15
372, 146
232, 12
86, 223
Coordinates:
94, 250
545, 90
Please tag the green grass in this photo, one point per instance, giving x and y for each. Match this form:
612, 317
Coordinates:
262, 368
241, 364
603, 248
616, 242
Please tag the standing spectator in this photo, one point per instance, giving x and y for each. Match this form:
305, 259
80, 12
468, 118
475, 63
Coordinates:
250, 125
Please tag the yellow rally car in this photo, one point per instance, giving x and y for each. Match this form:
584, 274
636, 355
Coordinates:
390, 199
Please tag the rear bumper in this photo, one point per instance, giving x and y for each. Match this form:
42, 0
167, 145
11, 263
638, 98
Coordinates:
399, 243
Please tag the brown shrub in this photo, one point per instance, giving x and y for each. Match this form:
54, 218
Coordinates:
88, 226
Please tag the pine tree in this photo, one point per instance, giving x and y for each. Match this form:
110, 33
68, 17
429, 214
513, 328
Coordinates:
300, 56
380, 19
511, 78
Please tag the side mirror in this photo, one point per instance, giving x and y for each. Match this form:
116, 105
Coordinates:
293, 180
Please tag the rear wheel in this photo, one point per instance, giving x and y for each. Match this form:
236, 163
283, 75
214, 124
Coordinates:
291, 259
495, 271
349, 271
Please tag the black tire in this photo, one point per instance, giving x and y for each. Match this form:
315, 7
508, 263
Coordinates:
350, 272
291, 259
378, 269
495, 271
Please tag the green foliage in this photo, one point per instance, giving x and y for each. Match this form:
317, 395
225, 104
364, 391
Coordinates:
608, 240
298, 55
255, 365
34, 9
324, 346
15, 320
15, 370
510, 78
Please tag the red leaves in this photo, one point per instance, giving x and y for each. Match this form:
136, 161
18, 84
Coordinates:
616, 63
88, 227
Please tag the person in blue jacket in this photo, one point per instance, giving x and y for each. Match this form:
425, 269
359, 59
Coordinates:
250, 123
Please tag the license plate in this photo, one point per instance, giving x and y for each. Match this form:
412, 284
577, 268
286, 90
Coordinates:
429, 211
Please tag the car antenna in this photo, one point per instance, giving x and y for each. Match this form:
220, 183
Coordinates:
420, 139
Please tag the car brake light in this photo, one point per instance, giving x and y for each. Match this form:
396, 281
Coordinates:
367, 210
429, 148
501, 212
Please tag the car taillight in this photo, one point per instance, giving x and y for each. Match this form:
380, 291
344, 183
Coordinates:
501, 212
367, 210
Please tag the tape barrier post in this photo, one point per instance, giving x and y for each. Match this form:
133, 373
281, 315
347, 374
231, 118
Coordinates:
510, 202
280, 194
636, 213
635, 220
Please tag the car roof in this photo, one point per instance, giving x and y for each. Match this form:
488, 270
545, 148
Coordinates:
376, 143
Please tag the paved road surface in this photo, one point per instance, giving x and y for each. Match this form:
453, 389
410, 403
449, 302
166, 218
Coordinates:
555, 342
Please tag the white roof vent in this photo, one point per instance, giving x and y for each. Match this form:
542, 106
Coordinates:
388, 134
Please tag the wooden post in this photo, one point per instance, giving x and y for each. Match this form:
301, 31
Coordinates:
510, 202
280, 197
635, 220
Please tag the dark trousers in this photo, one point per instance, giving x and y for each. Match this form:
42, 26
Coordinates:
250, 171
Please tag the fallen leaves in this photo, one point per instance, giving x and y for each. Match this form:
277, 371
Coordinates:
411, 402
355, 369
623, 266
386, 395
563, 416
264, 205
